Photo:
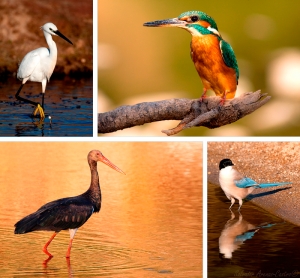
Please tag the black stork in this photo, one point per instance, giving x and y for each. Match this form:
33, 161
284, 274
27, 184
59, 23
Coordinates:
68, 213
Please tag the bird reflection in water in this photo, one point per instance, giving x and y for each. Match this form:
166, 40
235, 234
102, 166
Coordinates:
68, 261
235, 233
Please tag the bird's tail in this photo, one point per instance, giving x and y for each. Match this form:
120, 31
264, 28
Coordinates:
27, 224
265, 185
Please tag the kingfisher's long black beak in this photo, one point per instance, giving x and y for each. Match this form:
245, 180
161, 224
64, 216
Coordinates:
172, 22
62, 36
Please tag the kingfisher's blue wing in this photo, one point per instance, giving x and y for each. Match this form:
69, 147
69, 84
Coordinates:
245, 182
229, 57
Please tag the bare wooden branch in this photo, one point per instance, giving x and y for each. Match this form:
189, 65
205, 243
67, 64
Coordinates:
208, 113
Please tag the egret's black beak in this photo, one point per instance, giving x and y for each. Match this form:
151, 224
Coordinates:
62, 36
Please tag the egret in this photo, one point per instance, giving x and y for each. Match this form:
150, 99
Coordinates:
38, 66
68, 213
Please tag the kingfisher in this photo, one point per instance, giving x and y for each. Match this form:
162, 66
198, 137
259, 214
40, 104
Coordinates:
213, 57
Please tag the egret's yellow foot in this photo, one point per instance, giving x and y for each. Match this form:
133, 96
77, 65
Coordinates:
39, 110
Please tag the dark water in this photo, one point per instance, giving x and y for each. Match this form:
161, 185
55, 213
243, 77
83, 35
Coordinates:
259, 244
68, 102
150, 223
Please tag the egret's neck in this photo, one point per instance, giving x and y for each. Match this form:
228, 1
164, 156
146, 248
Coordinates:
52, 45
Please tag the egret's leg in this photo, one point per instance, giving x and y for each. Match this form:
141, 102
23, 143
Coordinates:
44, 84
38, 108
72, 234
43, 96
47, 244
24, 99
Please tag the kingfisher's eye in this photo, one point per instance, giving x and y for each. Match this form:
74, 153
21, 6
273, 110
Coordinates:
194, 18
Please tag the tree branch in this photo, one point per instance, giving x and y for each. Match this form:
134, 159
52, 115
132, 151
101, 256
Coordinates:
192, 113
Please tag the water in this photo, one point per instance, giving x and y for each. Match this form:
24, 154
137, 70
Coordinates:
269, 251
150, 223
68, 102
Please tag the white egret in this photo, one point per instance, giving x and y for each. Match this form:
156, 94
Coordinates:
38, 65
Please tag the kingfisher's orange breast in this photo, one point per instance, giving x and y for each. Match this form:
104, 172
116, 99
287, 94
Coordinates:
209, 63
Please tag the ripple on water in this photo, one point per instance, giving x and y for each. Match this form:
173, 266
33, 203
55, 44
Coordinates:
92, 254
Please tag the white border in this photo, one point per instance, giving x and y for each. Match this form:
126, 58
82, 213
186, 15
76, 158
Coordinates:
95, 68
95, 138
204, 209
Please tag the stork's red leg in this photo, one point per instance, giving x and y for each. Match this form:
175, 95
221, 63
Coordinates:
72, 234
47, 244
69, 248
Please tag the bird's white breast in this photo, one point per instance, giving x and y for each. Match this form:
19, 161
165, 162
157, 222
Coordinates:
226, 177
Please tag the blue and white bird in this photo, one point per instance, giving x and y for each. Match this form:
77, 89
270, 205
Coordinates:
38, 66
237, 186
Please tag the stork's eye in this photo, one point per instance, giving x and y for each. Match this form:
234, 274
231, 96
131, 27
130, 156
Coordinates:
194, 18
50, 29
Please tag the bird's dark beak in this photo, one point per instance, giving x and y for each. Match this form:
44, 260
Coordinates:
62, 36
111, 165
173, 22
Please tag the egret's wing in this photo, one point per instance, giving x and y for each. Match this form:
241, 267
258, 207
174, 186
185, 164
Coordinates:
229, 57
28, 64
245, 182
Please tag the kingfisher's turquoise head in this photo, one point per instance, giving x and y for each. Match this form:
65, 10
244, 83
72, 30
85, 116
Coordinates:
196, 22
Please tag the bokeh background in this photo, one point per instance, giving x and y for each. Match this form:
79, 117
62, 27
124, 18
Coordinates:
138, 64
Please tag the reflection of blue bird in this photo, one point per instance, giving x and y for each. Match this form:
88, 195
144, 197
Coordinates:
235, 233
249, 234
237, 186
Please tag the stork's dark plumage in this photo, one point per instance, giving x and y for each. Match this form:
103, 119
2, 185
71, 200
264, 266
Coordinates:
68, 213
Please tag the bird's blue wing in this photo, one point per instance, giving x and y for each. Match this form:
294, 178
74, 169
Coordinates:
229, 57
245, 182
265, 185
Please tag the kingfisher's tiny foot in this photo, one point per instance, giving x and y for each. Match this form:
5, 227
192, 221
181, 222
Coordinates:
202, 98
222, 102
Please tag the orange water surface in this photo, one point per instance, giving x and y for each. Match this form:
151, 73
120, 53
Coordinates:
150, 223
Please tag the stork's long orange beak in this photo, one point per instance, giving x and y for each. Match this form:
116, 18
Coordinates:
110, 164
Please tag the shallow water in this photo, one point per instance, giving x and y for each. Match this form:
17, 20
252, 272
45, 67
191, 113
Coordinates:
251, 244
68, 102
150, 223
